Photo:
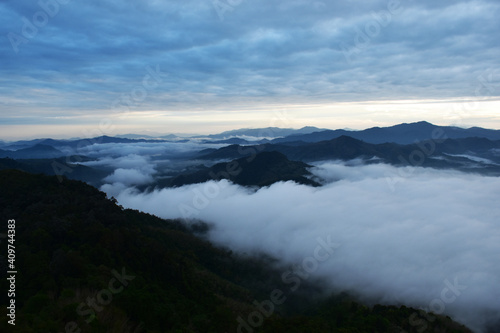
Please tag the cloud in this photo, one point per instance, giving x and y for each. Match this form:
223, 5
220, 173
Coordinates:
126, 160
129, 177
128, 170
132, 164
400, 244
147, 158
428, 50
139, 150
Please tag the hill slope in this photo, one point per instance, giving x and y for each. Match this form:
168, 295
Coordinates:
35, 152
57, 167
262, 169
86, 264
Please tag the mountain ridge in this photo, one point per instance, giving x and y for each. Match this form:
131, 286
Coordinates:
431, 153
405, 133
263, 169
39, 150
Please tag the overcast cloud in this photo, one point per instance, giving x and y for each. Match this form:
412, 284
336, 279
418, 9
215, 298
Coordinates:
168, 56
397, 244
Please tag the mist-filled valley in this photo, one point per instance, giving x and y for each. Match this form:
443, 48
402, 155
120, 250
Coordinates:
392, 223
395, 239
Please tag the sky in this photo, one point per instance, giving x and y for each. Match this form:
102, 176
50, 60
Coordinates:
86, 68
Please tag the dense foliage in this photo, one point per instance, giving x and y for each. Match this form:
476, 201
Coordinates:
144, 274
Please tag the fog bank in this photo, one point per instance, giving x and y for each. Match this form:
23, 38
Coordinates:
419, 237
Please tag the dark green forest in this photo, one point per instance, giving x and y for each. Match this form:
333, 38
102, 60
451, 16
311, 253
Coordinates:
85, 264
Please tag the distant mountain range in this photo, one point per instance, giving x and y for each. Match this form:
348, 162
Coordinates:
402, 134
236, 141
476, 154
261, 133
72, 144
37, 151
268, 132
417, 144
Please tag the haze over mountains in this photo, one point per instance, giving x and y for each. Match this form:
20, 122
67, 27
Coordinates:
416, 144
401, 134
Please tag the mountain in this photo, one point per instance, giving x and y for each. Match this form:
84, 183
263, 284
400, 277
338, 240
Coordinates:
86, 264
60, 167
134, 136
106, 139
263, 169
172, 137
34, 152
16, 145
74, 144
342, 148
231, 141
169, 137
401, 134
473, 144
470, 154
269, 132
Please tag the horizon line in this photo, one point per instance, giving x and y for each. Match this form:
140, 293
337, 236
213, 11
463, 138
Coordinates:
199, 135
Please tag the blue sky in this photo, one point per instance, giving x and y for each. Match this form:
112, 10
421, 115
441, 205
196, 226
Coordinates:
78, 68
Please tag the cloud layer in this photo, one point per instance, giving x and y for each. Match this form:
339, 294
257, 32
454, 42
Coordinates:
115, 58
402, 243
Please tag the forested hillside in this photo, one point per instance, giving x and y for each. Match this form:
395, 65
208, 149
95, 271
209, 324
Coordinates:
86, 264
